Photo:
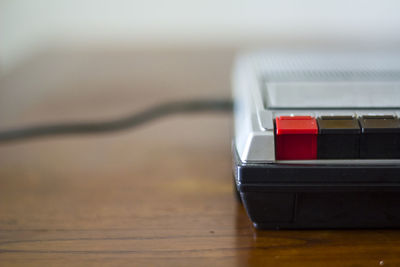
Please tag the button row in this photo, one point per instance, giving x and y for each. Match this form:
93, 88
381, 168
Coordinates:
337, 137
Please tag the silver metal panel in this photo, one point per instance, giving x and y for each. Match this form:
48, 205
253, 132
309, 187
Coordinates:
314, 95
267, 85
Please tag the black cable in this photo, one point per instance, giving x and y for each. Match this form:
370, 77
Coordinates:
131, 121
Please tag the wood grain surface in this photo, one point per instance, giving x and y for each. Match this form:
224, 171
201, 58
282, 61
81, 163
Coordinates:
160, 195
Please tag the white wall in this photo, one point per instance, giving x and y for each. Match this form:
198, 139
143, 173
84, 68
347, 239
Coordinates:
28, 25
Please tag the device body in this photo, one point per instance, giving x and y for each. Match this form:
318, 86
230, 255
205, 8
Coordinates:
317, 139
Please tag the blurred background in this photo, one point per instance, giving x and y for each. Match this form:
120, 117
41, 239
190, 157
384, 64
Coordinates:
61, 55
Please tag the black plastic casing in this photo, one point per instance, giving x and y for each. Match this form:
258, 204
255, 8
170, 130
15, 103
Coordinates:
289, 196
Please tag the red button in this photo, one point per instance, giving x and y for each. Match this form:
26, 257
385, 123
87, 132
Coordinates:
296, 138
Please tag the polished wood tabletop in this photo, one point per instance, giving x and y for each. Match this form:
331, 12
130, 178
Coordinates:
160, 194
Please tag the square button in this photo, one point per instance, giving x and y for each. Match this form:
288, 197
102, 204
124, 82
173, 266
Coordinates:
338, 137
380, 138
295, 138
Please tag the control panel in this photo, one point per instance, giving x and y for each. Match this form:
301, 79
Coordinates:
317, 139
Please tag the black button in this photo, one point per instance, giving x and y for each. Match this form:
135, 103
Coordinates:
338, 137
380, 138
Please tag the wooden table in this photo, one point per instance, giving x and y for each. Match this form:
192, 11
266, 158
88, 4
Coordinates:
158, 195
